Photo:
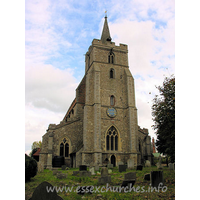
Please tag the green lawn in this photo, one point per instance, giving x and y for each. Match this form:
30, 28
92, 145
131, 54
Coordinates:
142, 187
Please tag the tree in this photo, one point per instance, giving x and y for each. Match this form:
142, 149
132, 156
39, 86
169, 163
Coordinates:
163, 112
35, 146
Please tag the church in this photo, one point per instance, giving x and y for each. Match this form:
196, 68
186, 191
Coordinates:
101, 125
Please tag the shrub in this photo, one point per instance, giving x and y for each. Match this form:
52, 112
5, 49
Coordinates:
30, 168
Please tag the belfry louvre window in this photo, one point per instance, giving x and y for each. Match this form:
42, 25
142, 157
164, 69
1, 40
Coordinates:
112, 139
111, 58
64, 148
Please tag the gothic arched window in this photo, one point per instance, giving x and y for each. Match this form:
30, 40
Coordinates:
112, 100
64, 148
111, 58
112, 73
112, 139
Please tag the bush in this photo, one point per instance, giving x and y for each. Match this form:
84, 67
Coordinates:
30, 168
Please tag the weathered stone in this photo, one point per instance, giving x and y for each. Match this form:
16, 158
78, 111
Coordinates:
63, 167
109, 166
119, 163
147, 177
156, 178
122, 168
147, 163
56, 172
75, 173
41, 192
109, 171
139, 167
40, 167
96, 167
129, 179
61, 176
104, 171
130, 163
91, 169
130, 176
84, 174
104, 179
171, 166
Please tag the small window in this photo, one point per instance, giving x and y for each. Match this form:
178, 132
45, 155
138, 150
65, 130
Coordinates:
112, 73
111, 58
112, 100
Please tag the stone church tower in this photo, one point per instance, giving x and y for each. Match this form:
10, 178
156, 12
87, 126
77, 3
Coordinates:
101, 124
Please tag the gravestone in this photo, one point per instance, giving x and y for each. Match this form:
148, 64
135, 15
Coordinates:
83, 168
63, 167
156, 178
75, 173
109, 166
109, 171
96, 167
147, 163
91, 169
41, 193
61, 176
147, 177
159, 164
171, 166
119, 163
130, 163
129, 179
105, 178
55, 172
84, 174
139, 167
104, 171
122, 168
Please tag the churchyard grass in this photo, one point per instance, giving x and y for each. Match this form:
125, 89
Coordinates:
116, 180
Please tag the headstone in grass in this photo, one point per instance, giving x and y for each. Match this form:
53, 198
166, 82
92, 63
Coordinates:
171, 166
129, 179
55, 172
61, 176
84, 173
75, 173
63, 167
109, 166
156, 178
105, 178
91, 169
120, 163
147, 163
130, 163
96, 167
45, 191
122, 168
139, 167
82, 167
147, 177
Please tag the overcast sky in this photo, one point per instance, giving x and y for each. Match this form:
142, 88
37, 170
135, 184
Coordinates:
59, 33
